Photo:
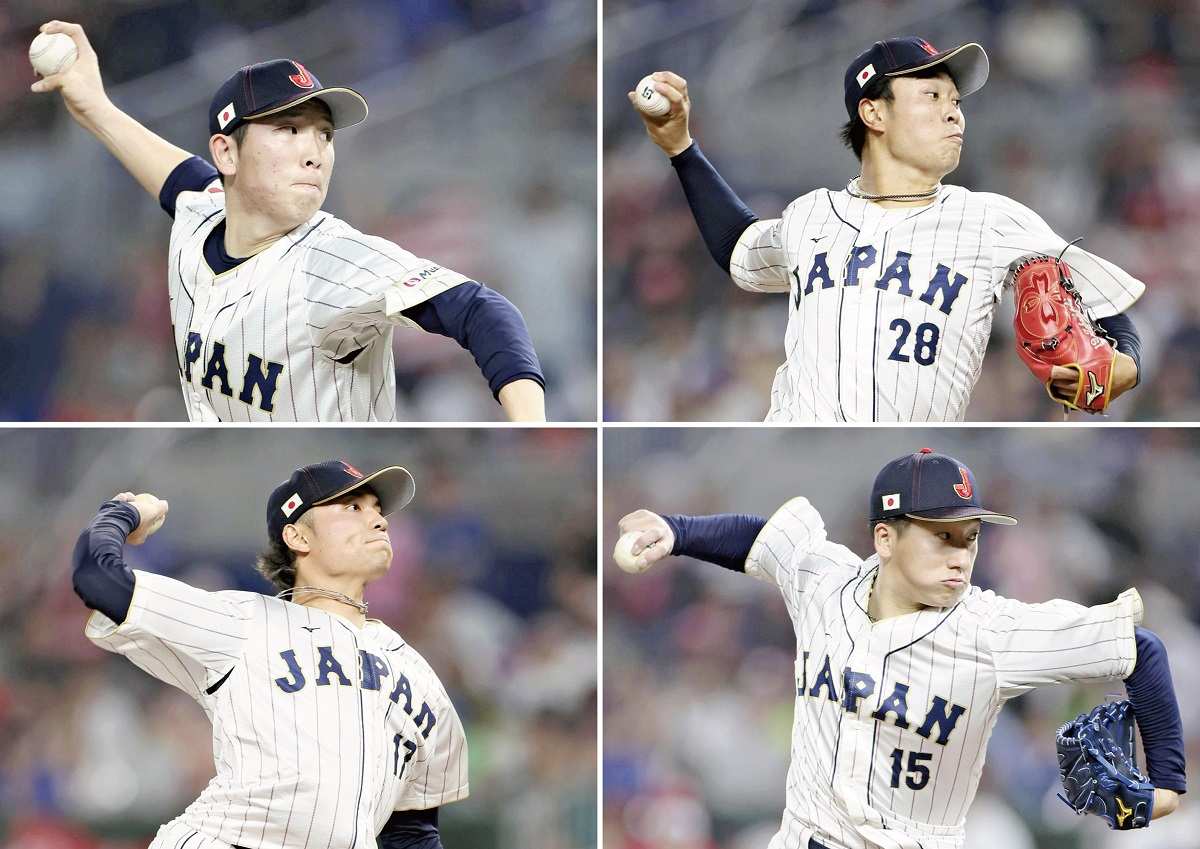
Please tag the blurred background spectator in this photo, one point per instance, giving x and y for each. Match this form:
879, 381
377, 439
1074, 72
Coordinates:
698, 660
479, 154
493, 581
1087, 117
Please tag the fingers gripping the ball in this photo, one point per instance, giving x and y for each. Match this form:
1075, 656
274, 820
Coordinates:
645, 539
152, 512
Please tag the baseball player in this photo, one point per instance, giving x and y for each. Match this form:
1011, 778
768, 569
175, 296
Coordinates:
902, 666
280, 311
328, 728
892, 281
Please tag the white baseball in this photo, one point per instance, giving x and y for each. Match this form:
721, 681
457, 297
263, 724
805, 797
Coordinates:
649, 100
623, 554
52, 53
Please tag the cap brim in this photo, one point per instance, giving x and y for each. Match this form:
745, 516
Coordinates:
957, 514
968, 65
346, 105
394, 487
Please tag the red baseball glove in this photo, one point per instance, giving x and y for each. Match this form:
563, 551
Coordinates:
1053, 329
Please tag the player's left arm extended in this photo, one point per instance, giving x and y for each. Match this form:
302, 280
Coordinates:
411, 830
489, 326
1152, 695
724, 539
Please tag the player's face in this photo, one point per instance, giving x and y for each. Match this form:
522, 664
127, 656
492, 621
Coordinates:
285, 162
349, 538
924, 124
933, 560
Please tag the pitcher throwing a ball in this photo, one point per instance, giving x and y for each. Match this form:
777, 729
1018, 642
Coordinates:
280, 311
902, 666
893, 281
328, 728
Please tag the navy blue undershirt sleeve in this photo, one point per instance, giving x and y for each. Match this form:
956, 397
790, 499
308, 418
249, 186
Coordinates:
191, 175
1157, 712
411, 830
100, 575
488, 325
1120, 327
724, 539
719, 212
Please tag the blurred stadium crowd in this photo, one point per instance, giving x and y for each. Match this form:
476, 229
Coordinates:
470, 100
501, 600
698, 660
1087, 117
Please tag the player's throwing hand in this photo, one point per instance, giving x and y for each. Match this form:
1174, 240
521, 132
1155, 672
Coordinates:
152, 512
80, 84
670, 131
655, 539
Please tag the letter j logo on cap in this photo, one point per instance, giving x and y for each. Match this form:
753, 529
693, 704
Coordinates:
963, 490
891, 502
864, 76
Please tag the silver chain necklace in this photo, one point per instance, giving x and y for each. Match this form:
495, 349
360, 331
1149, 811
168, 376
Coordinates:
852, 190
361, 606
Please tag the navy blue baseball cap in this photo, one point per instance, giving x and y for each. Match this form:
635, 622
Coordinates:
257, 91
896, 57
929, 486
321, 483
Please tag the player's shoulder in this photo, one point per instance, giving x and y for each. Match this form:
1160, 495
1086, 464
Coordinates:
987, 607
996, 205
805, 203
199, 205
335, 243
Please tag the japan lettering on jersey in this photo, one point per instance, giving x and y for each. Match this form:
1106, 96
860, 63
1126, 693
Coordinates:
890, 310
320, 731
299, 332
892, 718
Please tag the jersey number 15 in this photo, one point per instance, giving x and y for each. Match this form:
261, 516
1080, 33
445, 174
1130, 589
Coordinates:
918, 773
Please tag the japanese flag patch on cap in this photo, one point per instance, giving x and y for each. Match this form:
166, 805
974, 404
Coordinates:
291, 505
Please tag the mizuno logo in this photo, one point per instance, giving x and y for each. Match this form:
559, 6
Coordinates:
1095, 388
1122, 813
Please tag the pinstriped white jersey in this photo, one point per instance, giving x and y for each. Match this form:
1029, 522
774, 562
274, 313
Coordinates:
889, 310
320, 730
301, 331
893, 718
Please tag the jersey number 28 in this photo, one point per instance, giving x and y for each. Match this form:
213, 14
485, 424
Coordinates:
924, 347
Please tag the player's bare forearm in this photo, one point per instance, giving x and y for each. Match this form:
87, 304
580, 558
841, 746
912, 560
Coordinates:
1165, 802
523, 400
147, 156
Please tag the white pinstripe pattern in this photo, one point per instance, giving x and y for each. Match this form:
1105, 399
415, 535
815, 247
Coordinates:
314, 297
322, 766
844, 359
973, 656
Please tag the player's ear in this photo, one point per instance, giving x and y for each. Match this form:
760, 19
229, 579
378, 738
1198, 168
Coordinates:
885, 539
870, 112
224, 154
297, 538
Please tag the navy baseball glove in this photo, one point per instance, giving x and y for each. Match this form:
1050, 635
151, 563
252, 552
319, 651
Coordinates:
1099, 773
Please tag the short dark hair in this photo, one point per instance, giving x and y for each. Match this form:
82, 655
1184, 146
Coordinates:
899, 523
854, 132
238, 135
277, 563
